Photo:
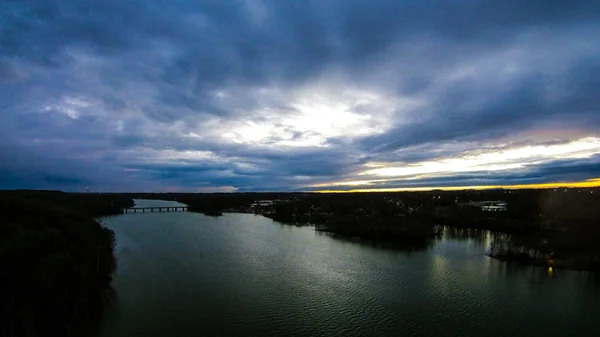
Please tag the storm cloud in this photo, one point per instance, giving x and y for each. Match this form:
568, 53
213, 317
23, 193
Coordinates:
253, 95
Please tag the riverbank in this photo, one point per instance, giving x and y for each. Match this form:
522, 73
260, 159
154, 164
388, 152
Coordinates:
402, 231
561, 222
576, 262
411, 219
56, 260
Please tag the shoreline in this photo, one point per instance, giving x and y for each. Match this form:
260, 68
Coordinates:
555, 264
563, 264
409, 240
56, 243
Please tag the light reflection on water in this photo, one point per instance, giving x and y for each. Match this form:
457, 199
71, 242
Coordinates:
184, 274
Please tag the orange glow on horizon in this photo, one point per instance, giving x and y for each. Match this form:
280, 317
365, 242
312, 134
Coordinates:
595, 182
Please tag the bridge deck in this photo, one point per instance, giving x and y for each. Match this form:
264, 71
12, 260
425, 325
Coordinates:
155, 209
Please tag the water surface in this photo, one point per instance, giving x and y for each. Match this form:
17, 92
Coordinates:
186, 274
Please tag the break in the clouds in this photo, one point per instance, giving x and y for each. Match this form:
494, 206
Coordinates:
297, 95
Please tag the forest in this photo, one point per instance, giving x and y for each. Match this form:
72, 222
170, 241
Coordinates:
56, 261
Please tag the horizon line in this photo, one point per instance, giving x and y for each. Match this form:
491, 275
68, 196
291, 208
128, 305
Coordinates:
590, 183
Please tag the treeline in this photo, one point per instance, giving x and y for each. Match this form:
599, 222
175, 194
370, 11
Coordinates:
364, 215
562, 221
370, 216
56, 261
90, 204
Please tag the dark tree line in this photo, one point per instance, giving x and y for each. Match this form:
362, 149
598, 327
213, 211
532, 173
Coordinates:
56, 261
90, 204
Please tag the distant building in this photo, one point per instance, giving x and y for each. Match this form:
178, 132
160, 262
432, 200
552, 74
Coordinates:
489, 206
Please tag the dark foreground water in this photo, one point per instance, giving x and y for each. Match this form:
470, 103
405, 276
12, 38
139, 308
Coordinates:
186, 274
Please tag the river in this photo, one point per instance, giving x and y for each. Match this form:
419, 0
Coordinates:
186, 274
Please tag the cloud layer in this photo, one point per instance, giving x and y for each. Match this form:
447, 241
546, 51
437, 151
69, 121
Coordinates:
249, 95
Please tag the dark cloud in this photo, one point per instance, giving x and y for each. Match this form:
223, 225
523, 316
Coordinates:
284, 95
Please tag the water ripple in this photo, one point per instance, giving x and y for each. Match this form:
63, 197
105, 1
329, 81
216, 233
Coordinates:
186, 274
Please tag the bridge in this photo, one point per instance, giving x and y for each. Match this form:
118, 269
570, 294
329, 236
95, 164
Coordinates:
155, 209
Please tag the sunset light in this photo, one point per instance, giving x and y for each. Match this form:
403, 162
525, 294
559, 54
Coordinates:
214, 168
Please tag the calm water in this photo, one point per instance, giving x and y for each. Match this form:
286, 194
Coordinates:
186, 274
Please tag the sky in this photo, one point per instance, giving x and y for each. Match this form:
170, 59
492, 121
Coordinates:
282, 95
